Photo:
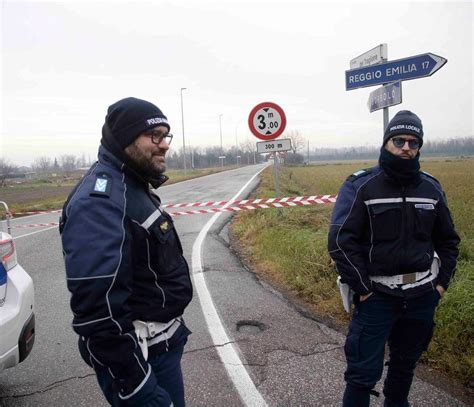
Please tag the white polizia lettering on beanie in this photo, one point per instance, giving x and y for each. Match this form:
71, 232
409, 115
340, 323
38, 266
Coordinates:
156, 120
405, 126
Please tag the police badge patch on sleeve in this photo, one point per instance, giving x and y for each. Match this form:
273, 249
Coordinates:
102, 185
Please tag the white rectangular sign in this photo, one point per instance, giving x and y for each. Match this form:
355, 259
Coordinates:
272, 146
374, 56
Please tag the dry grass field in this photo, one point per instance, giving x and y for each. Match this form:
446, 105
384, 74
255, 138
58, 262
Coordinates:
48, 193
289, 247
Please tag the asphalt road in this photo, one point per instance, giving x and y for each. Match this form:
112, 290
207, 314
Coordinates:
249, 345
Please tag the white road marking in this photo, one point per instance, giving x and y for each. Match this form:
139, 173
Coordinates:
34, 233
248, 393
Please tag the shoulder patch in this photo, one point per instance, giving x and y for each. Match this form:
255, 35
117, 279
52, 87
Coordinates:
102, 185
359, 174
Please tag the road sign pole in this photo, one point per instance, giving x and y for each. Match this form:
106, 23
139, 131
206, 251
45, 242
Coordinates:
385, 120
385, 109
267, 121
276, 174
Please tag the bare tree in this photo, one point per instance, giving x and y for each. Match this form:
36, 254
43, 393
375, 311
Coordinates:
6, 168
248, 148
298, 142
68, 162
42, 164
81, 161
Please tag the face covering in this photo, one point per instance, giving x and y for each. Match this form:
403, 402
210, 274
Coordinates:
400, 169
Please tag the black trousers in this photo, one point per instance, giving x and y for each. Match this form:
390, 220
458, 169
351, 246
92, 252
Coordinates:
407, 326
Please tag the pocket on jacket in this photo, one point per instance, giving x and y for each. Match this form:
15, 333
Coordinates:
385, 221
162, 229
424, 223
165, 251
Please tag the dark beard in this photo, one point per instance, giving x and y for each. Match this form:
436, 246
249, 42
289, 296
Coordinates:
143, 164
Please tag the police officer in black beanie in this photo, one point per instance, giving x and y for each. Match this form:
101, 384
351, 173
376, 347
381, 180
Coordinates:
394, 243
125, 269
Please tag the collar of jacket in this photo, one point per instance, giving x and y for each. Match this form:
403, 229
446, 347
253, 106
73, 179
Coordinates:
414, 181
107, 156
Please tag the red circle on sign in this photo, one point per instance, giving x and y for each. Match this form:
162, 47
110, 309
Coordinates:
281, 128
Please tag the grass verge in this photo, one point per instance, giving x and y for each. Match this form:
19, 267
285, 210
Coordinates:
289, 246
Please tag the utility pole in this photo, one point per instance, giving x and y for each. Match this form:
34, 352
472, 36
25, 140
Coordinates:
220, 132
182, 122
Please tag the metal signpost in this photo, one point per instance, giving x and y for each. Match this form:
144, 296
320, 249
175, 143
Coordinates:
267, 121
385, 96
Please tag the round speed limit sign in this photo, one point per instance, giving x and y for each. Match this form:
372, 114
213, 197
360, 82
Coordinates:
267, 121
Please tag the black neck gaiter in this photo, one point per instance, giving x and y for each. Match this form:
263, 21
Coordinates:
400, 169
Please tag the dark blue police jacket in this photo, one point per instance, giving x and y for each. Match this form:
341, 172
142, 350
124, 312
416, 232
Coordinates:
124, 262
382, 228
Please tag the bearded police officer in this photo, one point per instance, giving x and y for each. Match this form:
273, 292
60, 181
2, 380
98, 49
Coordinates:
124, 263
393, 241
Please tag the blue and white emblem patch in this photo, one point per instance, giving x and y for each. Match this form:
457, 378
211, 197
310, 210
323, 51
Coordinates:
100, 185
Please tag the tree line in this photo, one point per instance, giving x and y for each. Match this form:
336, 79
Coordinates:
452, 147
243, 154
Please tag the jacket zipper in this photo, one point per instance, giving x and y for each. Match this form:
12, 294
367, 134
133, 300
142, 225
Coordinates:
404, 229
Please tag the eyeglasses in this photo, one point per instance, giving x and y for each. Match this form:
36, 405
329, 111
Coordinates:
157, 136
399, 142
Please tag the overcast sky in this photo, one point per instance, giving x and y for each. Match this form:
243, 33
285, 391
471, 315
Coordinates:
63, 63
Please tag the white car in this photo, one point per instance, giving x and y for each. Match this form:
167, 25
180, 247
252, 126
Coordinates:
17, 318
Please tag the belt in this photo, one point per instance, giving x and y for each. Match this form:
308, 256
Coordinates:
151, 333
400, 278
410, 280
149, 330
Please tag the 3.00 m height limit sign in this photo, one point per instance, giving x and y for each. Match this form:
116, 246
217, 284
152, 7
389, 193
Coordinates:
267, 121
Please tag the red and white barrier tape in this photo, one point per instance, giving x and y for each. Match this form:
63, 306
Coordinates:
251, 207
36, 225
37, 212
255, 201
317, 198
242, 205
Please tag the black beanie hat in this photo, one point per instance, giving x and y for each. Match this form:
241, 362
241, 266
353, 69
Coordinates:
129, 117
404, 122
